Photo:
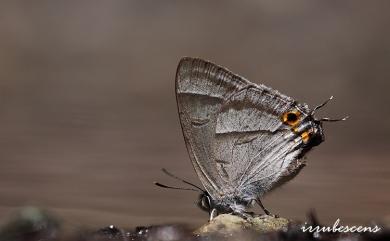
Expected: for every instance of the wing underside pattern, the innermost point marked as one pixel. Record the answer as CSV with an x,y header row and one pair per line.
x,y
232,128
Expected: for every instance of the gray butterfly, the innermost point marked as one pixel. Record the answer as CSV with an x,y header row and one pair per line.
x,y
243,139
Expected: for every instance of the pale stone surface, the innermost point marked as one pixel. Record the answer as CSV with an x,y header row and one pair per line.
x,y
227,224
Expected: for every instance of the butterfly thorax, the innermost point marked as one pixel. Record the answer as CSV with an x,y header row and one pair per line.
x,y
232,203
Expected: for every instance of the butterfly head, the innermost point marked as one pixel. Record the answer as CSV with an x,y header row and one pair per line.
x,y
205,201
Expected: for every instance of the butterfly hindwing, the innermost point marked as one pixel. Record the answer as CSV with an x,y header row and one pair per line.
x,y
250,137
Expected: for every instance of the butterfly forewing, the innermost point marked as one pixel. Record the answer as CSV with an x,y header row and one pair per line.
x,y
232,129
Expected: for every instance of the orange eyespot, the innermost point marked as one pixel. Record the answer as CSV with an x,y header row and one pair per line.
x,y
291,118
305,136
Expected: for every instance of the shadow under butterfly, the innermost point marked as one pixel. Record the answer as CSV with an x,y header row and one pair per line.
x,y
243,139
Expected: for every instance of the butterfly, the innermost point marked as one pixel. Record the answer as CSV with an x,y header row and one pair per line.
x,y
243,139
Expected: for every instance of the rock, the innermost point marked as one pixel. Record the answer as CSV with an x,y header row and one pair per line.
x,y
31,224
167,232
227,225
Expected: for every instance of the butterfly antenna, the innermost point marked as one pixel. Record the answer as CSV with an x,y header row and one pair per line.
x,y
321,105
177,188
180,179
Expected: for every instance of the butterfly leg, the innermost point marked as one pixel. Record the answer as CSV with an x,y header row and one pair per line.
x,y
258,201
213,214
244,215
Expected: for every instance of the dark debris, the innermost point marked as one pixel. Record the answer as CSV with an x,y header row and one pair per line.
x,y
31,224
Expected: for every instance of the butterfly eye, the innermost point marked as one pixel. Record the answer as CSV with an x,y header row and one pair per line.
x,y
291,118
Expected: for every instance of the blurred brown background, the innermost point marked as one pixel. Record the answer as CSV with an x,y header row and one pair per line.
x,y
88,113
